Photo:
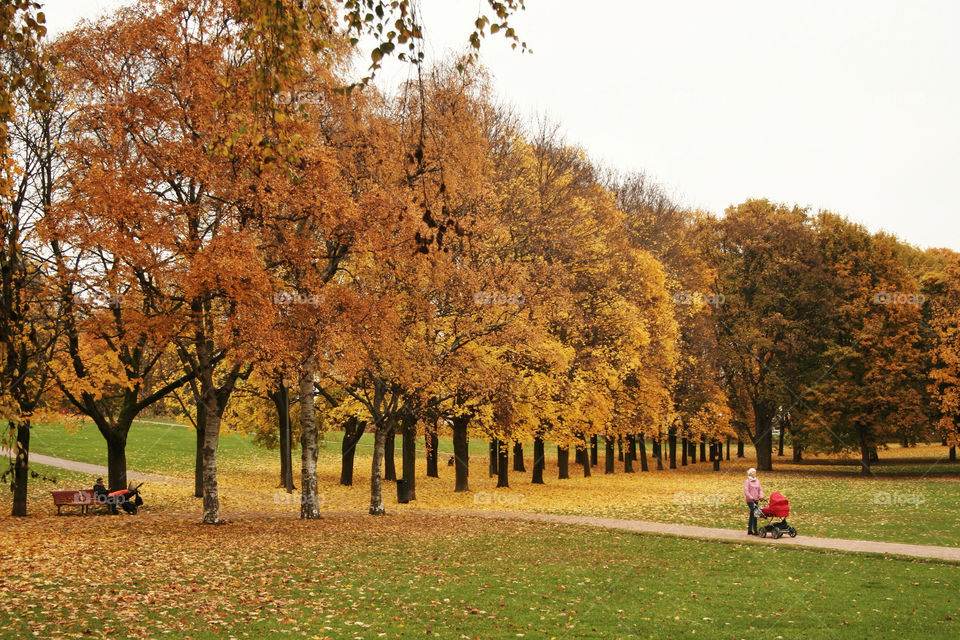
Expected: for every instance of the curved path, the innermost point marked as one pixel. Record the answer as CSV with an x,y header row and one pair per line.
x,y
950,554
94,469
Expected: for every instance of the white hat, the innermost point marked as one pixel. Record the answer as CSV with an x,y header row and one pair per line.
x,y
751,472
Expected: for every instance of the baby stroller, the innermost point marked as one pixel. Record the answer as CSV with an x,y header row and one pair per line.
x,y
127,499
778,507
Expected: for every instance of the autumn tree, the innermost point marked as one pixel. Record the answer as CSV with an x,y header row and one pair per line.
x,y
763,256
873,356
28,330
943,290
185,153
116,326
673,235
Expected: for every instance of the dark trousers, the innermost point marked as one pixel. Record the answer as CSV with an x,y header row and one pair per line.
x,y
752,522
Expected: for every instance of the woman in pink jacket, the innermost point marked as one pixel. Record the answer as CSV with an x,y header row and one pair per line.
x,y
753,492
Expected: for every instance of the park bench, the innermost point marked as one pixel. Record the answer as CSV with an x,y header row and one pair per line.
x,y
82,498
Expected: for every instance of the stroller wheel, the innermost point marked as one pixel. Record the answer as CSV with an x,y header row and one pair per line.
x,y
763,532
792,532
776,533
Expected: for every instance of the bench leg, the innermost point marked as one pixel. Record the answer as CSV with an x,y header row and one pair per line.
x,y
58,509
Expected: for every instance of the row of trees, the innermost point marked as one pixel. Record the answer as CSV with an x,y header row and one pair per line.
x,y
204,218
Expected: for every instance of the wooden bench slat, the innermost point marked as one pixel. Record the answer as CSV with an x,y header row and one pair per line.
x,y
82,498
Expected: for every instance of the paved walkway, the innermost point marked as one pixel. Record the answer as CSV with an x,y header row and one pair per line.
x,y
95,469
688,531
951,554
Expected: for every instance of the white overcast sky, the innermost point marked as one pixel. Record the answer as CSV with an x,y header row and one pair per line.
x,y
847,105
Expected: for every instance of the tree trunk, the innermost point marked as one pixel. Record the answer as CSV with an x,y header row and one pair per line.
x,y
728,448
703,451
763,441
620,447
685,450
627,458
563,463
672,443
780,445
408,428
578,455
593,450
585,458
310,498
376,481
717,454
864,453
21,467
503,464
116,461
201,434
797,453
211,437
461,453
642,441
658,453
281,401
740,453
214,400
431,443
610,454
286,445
389,455
353,430
538,461
494,455
953,453
518,458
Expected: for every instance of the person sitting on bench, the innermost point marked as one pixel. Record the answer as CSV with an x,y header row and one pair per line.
x,y
100,492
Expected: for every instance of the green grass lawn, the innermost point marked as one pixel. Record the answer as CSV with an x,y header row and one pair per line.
x,y
416,576
150,447
170,449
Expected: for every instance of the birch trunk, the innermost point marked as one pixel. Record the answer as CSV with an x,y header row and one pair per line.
x,y
376,478
310,499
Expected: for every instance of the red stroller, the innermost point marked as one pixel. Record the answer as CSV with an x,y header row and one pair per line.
x,y
127,499
778,507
